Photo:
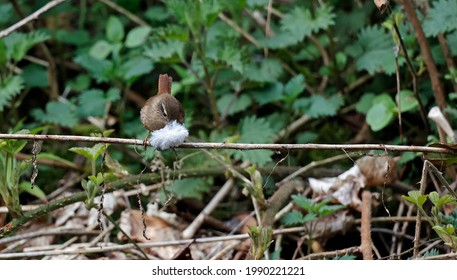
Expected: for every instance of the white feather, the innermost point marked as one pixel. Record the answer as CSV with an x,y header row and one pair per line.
x,y
172,135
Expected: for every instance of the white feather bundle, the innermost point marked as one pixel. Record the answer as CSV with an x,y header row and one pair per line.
x,y
172,135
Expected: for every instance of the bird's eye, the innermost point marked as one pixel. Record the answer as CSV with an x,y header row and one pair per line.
x,y
164,109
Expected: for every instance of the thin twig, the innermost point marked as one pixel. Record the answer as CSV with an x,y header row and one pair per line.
x,y
198,221
234,146
109,248
235,26
423,185
365,230
31,17
333,254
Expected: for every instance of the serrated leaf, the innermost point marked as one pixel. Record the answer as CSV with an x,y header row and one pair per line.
x,y
98,69
294,87
91,153
114,30
268,93
189,188
303,202
100,50
269,70
255,130
18,44
233,104
164,50
408,101
10,87
373,51
329,209
292,218
57,113
301,23
136,67
416,197
91,103
320,106
35,76
137,36
441,17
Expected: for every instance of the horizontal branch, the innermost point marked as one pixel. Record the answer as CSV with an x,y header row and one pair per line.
x,y
234,146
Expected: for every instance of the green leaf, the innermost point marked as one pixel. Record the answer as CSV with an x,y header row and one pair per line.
x,y
408,101
35,76
365,103
98,69
373,51
80,83
301,23
76,37
440,18
434,197
329,209
91,153
114,30
6,13
18,44
189,188
294,87
10,87
320,106
416,197
100,50
292,218
56,158
165,50
303,202
136,67
268,93
233,104
255,130
57,113
445,199
269,70
93,102
137,36
35,191
256,3
379,117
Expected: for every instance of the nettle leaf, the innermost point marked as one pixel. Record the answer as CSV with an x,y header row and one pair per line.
x,y
301,23
408,101
76,37
441,17
18,44
114,30
137,36
58,113
269,93
91,153
269,70
320,106
189,188
373,51
303,202
292,218
255,130
416,197
136,67
294,87
164,50
10,86
101,49
234,104
98,69
93,102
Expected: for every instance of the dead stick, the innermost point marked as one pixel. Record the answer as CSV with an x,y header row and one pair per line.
x,y
367,251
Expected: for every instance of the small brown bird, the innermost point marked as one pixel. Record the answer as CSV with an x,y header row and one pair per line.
x,y
162,108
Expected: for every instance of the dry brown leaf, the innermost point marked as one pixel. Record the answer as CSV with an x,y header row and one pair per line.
x,y
378,170
156,230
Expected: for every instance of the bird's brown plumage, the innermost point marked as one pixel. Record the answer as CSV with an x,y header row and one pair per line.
x,y
161,108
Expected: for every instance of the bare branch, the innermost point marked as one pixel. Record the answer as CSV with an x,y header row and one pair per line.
x,y
235,146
